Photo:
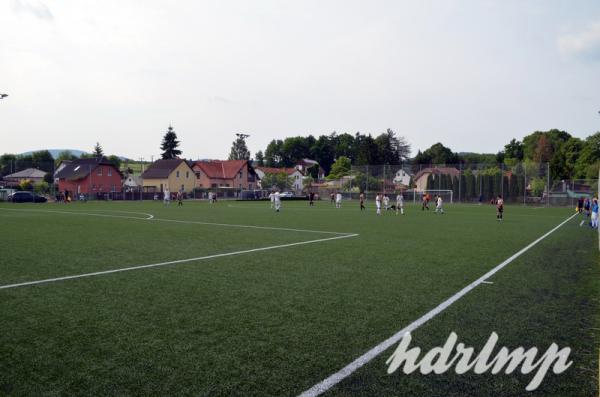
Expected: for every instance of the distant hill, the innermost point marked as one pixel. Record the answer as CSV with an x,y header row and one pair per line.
x,y
56,152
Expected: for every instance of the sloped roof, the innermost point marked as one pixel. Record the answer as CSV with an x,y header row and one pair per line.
x,y
161,169
274,170
221,169
81,168
28,173
438,171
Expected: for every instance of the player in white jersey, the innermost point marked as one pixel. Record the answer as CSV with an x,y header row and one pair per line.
x,y
378,204
386,202
338,200
439,206
272,199
167,197
400,204
277,201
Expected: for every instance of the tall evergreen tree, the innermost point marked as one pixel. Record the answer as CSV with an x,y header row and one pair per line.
x,y
98,152
169,145
239,150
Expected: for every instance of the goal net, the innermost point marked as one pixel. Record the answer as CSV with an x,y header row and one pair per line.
x,y
417,196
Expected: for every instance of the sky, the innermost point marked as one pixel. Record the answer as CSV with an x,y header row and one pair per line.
x,y
469,74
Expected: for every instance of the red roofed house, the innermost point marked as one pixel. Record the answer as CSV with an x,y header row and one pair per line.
x,y
235,174
296,177
420,179
89,176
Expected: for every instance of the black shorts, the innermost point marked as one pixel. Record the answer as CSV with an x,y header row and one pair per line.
x,y
501,209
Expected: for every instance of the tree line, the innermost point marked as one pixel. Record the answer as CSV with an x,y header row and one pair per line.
x,y
568,156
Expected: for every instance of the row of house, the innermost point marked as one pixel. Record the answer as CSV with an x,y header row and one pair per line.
x,y
97,176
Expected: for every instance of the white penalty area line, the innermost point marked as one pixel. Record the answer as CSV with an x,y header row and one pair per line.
x,y
343,373
150,217
199,258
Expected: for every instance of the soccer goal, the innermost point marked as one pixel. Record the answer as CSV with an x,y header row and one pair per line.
x,y
447,195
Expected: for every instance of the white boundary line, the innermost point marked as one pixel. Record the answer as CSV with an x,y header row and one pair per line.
x,y
199,258
148,216
151,217
343,373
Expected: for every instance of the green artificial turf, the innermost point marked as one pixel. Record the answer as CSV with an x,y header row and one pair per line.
x,y
275,322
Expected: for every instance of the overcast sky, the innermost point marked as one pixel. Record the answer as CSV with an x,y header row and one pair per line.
x,y
471,74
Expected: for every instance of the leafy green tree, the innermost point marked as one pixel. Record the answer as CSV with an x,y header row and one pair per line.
x,y
514,150
260,158
274,153
323,152
279,181
169,145
7,164
366,183
589,155
341,167
367,151
392,148
49,178
537,186
115,160
436,154
41,187
239,150
66,155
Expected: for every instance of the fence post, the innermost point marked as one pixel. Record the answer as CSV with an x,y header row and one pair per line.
x,y
524,183
367,187
502,180
548,190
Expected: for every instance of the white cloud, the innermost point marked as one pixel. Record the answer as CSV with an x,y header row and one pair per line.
x,y
33,7
584,44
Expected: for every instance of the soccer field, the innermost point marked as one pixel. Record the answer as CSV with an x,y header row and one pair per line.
x,y
130,298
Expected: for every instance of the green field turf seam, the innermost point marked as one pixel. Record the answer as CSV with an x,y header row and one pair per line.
x,y
175,262
346,371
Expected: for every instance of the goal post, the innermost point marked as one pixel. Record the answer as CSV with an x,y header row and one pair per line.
x,y
446,194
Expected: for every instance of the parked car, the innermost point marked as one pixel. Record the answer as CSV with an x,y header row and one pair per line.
x,y
286,194
26,197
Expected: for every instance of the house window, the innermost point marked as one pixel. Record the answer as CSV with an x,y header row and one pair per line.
x,y
182,188
177,174
114,189
109,172
250,186
187,174
99,171
93,187
241,173
214,185
100,187
198,174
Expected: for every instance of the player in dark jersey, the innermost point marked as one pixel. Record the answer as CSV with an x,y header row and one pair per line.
x,y
499,208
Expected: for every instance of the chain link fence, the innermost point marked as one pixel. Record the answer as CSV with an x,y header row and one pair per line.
x,y
525,182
